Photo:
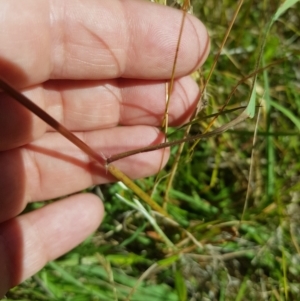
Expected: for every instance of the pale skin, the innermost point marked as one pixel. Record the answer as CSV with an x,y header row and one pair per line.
x,y
92,65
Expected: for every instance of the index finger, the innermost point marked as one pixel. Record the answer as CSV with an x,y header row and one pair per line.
x,y
96,39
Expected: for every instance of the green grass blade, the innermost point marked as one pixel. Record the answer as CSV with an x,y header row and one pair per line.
x,y
287,113
250,110
283,8
180,286
270,140
65,275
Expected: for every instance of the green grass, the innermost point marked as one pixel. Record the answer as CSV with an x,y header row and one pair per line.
x,y
210,254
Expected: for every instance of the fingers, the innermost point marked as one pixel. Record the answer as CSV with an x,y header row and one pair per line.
x,y
98,40
52,166
29,241
92,105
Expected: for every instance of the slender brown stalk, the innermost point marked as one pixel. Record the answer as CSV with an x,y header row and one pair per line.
x,y
239,5
180,149
169,86
220,130
27,103
217,131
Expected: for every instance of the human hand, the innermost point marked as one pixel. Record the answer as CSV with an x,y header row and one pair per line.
x,y
92,65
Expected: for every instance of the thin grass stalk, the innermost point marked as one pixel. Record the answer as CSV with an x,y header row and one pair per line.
x,y
100,158
187,131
